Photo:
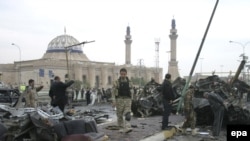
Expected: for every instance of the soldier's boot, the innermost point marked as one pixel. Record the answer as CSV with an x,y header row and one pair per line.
x,y
120,126
194,132
126,125
122,129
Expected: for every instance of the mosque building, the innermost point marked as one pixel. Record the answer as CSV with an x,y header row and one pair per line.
x,y
56,61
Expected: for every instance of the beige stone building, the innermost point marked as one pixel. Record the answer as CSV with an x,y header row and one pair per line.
x,y
54,63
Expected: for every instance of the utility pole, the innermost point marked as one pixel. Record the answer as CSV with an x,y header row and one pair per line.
x,y
20,73
244,57
196,58
66,52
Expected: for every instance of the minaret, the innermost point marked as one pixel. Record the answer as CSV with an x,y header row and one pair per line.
x,y
172,64
128,42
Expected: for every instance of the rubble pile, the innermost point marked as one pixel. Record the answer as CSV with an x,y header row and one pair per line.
x,y
235,95
147,101
45,123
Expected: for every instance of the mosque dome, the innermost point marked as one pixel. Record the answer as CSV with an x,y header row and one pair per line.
x,y
56,49
59,43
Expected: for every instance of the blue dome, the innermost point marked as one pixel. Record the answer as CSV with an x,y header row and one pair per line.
x,y
59,43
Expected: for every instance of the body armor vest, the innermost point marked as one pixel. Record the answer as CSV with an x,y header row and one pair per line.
x,y
124,90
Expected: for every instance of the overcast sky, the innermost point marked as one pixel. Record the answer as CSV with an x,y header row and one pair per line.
x,y
32,24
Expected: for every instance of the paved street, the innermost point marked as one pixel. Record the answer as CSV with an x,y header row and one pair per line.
x,y
145,129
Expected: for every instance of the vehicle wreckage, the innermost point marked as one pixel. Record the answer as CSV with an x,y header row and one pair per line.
x,y
236,93
48,123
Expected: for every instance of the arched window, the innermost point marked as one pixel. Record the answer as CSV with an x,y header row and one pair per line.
x,y
97,81
66,76
109,80
84,79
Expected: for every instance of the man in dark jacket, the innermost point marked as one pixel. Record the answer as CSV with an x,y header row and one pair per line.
x,y
51,95
168,97
88,94
58,93
217,106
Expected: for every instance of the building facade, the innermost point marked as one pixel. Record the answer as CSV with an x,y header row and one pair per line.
x,y
57,61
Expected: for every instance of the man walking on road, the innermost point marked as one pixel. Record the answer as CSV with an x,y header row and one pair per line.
x,y
121,98
168,97
58,92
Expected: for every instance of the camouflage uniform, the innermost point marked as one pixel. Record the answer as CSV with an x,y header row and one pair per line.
x,y
31,96
188,110
123,104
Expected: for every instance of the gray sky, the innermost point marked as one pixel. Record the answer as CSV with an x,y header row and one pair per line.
x,y
32,24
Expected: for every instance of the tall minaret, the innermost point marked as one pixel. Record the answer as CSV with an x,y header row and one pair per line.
x,y
128,42
172,64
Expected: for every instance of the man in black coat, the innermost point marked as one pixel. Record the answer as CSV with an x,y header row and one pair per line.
x,y
168,97
51,95
88,93
58,93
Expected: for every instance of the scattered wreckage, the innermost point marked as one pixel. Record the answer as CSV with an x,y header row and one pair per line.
x,y
148,100
236,93
46,122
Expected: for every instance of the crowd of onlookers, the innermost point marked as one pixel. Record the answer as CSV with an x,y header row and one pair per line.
x,y
91,95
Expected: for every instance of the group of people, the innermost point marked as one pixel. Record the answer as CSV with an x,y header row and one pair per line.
x,y
216,102
57,93
123,91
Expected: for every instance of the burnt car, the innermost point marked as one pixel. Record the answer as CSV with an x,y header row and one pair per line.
x,y
9,96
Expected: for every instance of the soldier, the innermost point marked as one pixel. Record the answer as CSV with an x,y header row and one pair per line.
x,y
189,112
121,98
31,95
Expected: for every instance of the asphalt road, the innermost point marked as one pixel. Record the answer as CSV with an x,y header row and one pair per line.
x,y
145,129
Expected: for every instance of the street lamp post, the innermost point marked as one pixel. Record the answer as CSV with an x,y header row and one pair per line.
x,y
19,76
243,54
